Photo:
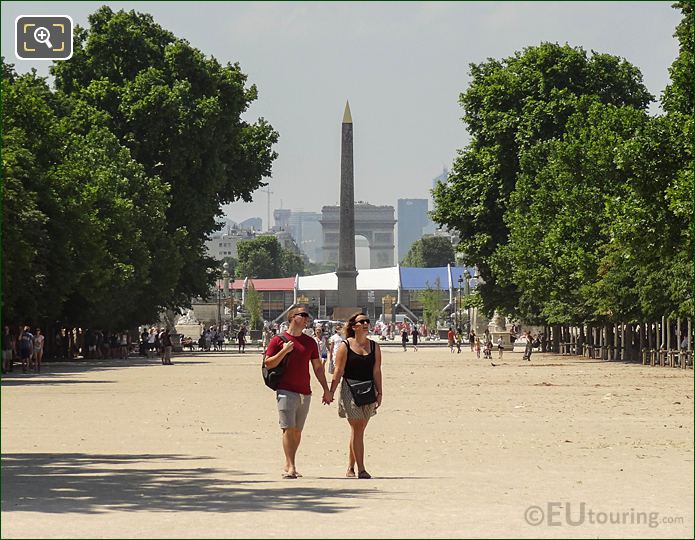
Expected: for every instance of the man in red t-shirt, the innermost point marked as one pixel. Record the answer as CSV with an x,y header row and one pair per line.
x,y
294,390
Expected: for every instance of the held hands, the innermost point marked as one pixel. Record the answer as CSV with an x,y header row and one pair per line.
x,y
327,397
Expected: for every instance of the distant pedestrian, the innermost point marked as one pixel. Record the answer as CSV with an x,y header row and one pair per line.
x,y
529,346
100,343
167,347
477,348
451,339
151,345
333,344
90,342
124,345
267,335
8,348
404,338
415,333
321,343
113,345
26,347
500,347
38,349
459,340
219,336
241,338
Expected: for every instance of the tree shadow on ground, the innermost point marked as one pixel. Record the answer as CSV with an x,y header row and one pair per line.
x,y
95,483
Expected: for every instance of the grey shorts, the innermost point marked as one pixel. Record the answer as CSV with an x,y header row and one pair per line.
x,y
293,409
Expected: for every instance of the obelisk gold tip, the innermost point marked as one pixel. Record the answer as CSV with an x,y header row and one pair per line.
x,y
347,117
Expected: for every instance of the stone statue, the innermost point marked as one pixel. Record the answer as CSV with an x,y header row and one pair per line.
x,y
188,318
498,323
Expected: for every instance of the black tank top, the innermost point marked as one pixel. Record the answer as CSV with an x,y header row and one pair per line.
x,y
360,367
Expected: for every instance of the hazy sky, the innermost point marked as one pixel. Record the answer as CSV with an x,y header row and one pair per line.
x,y
401,65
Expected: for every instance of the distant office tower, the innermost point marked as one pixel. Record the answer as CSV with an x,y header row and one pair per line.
x,y
305,229
282,218
412,222
431,226
254,223
441,178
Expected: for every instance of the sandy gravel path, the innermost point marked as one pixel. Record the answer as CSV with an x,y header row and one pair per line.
x,y
459,448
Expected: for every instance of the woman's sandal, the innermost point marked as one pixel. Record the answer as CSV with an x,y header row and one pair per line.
x,y
364,474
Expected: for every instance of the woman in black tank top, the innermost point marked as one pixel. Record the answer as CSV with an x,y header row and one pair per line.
x,y
358,358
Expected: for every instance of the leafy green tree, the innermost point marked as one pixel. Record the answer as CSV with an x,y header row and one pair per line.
x,y
645,269
651,237
432,300
178,112
512,108
560,215
678,95
28,149
429,252
312,269
264,257
254,307
291,263
83,221
259,258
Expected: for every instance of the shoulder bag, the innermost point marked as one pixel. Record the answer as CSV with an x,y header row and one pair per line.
x,y
272,376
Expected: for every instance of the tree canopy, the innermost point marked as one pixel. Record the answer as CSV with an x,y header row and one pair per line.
x,y
113,181
264,257
573,202
179,114
430,252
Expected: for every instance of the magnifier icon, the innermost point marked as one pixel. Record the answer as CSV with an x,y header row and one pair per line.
x,y
42,35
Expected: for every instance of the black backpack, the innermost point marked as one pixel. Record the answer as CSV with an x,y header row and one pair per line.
x,y
272,376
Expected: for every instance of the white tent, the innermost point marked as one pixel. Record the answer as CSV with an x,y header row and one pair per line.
x,y
376,279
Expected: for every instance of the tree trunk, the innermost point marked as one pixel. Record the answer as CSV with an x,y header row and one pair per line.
x,y
556,338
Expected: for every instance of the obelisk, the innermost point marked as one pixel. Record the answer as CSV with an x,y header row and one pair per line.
x,y
346,272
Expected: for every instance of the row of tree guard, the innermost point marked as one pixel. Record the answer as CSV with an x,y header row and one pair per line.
x,y
663,343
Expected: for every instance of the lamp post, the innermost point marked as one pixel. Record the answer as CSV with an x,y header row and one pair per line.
x,y
467,276
225,283
219,303
458,306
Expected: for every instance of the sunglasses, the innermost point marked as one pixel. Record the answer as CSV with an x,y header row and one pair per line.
x,y
362,321
302,314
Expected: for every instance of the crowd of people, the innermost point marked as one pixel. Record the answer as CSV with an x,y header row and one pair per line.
x,y
27,345
24,345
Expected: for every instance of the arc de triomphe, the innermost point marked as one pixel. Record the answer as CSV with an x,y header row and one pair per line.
x,y
375,223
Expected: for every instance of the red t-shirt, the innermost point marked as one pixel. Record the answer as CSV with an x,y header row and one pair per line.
x,y
295,378
450,336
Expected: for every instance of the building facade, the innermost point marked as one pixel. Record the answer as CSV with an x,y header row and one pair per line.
x,y
412,223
